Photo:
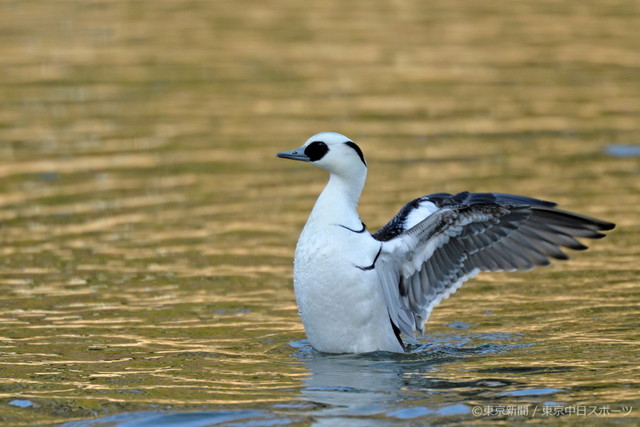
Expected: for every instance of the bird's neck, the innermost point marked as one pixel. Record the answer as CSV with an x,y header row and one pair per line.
x,y
338,201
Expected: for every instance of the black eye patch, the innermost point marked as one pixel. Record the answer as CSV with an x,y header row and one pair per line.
x,y
316,150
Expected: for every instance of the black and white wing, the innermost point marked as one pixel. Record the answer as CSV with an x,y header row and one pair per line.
x,y
437,242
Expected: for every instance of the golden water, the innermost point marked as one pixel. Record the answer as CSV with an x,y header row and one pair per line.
x,y
147,230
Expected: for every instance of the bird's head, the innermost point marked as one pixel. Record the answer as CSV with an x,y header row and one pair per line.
x,y
331,151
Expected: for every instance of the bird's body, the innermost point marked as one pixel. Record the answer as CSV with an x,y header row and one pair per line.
x,y
338,302
357,291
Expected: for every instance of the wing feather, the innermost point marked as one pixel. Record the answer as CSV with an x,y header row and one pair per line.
x,y
425,261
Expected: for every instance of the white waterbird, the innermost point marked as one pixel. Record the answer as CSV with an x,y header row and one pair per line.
x,y
358,292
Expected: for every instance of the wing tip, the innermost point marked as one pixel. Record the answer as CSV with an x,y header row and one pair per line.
x,y
606,226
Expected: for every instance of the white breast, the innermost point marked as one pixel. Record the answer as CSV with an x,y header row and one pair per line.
x,y
341,305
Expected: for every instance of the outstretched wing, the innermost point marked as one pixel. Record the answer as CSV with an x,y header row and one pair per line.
x,y
437,242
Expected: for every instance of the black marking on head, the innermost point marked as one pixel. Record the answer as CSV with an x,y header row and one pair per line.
x,y
316,150
364,227
357,150
373,264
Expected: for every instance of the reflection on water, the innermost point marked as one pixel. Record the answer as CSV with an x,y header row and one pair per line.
x,y
384,389
147,230
378,385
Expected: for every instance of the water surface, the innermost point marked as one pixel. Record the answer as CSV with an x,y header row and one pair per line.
x,y
148,230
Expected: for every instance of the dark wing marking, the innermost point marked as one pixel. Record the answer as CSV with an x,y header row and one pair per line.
x,y
397,333
470,233
398,223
